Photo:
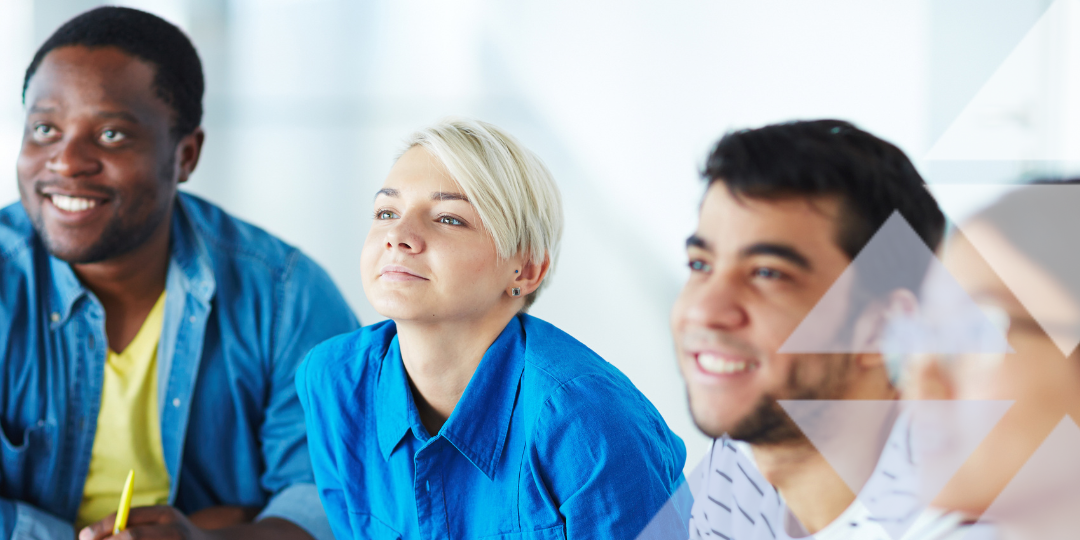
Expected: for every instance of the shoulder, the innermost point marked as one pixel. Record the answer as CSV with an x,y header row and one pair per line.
x,y
227,237
570,371
16,232
347,359
584,396
559,357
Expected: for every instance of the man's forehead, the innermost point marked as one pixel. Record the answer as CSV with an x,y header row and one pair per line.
x,y
98,73
732,222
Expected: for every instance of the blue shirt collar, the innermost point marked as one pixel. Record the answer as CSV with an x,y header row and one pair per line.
x,y
480,421
190,262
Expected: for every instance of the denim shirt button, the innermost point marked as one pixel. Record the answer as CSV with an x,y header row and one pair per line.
x,y
55,317
191,319
176,402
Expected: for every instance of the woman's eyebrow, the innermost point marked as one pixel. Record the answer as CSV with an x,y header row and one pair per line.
x,y
386,191
448,196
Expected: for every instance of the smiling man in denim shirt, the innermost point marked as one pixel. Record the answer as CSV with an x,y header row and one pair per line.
x,y
142,328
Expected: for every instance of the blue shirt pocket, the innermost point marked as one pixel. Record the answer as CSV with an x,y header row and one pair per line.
x,y
23,469
369,527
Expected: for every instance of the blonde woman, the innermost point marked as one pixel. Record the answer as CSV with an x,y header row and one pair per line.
x,y
462,416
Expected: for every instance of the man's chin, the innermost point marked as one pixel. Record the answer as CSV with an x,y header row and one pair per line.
x,y
73,251
709,422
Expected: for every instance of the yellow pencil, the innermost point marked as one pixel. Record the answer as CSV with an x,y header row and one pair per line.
x,y
125,504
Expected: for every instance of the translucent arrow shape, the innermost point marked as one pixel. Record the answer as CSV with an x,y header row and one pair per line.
x,y
1043,499
1029,109
895,466
849,434
846,318
1028,238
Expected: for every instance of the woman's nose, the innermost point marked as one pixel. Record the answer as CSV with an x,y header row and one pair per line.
x,y
403,235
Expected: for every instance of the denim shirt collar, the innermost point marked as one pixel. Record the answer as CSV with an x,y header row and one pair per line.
x,y
190,261
189,264
480,421
66,291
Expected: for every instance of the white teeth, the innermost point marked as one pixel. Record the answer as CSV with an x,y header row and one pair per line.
x,y
716,364
72,204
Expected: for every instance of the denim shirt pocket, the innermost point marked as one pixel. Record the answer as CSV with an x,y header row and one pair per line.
x,y
25,462
370,527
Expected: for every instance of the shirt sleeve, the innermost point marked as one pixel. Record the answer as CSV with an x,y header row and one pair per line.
x,y
21,521
312,310
610,462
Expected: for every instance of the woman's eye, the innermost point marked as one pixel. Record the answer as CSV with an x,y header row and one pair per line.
x,y
112,136
450,220
699,266
44,131
768,273
385,214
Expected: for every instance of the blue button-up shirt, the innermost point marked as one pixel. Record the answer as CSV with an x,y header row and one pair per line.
x,y
242,309
548,441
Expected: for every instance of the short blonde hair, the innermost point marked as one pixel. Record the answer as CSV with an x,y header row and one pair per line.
x,y
511,189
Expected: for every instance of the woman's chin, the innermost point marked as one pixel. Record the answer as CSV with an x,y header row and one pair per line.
x,y
399,311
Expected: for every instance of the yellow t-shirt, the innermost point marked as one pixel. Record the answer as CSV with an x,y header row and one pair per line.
x,y
128,433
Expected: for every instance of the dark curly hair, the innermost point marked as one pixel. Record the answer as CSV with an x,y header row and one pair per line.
x,y
179,78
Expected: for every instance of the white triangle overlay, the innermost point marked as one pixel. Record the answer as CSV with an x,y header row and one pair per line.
x,y
1029,109
1031,285
1041,501
924,448
947,320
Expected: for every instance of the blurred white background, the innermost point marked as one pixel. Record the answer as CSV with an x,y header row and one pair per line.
x,y
308,101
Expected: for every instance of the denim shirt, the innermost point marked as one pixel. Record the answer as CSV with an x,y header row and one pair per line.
x,y
548,441
242,309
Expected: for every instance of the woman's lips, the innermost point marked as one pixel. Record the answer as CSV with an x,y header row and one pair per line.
x,y
393,272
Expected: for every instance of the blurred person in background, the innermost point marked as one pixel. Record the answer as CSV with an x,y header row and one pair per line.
x,y
787,209
462,416
140,327
1017,259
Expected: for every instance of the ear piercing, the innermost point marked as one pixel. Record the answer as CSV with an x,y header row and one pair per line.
x,y
515,291
515,271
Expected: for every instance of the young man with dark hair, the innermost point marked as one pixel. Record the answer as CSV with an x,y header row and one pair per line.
x,y
788,208
140,327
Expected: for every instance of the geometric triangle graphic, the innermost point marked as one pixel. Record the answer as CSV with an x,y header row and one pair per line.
x,y
1028,109
1028,238
929,444
895,455
944,434
872,307
969,55
1043,500
849,434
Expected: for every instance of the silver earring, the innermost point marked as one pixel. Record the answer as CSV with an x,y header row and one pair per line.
x,y
515,292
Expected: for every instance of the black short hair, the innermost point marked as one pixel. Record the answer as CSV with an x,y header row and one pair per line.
x,y
872,177
179,78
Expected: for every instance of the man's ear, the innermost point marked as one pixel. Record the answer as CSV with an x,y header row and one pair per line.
x,y
871,326
188,150
531,275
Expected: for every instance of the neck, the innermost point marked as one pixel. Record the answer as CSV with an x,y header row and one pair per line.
x,y
441,357
812,488
813,491
129,285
